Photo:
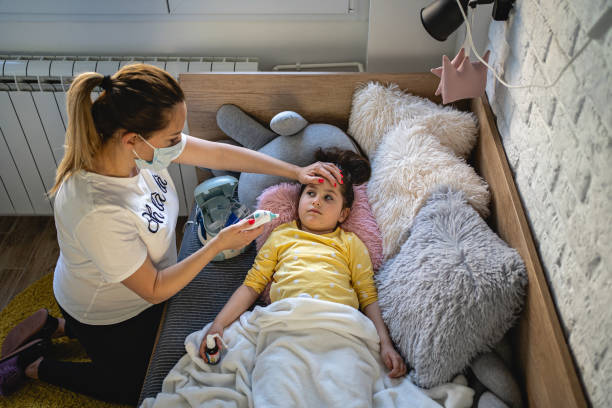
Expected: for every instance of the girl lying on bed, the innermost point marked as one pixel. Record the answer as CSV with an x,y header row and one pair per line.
x,y
313,257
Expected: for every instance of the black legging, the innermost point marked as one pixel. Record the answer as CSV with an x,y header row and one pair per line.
x,y
119,357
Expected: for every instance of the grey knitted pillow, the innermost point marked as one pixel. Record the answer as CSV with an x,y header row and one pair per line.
x,y
452,291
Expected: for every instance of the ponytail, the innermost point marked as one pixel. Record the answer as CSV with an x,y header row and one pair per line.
x,y
82,139
138,98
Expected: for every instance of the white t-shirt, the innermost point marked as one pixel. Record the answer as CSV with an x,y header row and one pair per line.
x,y
106,226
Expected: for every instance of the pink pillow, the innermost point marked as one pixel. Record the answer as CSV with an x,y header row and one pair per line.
x,y
283,199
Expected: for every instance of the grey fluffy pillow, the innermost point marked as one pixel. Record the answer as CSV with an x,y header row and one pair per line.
x,y
452,291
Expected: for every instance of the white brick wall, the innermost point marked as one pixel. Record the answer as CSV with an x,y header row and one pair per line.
x,y
559,145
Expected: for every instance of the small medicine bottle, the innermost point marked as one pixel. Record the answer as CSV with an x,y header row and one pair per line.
x,y
212,351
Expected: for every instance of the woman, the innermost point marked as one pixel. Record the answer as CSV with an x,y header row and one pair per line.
x,y
115,214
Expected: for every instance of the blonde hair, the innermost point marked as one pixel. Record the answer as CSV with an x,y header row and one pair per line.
x,y
137,98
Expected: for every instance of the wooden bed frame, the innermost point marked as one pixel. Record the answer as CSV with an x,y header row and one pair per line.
x,y
544,366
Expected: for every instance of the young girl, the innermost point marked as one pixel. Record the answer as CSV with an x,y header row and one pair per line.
x,y
313,257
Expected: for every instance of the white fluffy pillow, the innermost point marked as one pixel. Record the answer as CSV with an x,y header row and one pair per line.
x,y
408,165
377,109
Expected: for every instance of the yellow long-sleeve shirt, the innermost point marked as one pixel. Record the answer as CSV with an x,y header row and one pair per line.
x,y
334,267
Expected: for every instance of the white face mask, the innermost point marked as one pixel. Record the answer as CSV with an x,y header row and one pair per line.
x,y
162,156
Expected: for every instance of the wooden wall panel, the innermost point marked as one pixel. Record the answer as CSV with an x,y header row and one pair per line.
x,y
36,137
6,207
60,98
51,119
22,155
19,199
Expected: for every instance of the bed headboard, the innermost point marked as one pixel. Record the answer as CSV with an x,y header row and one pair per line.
x,y
318,97
543,363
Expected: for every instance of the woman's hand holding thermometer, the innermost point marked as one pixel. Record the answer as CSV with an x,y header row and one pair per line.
x,y
258,218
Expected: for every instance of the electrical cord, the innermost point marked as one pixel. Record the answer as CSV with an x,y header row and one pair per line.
x,y
600,27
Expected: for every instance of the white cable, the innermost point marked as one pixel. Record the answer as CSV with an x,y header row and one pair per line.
x,y
465,36
469,36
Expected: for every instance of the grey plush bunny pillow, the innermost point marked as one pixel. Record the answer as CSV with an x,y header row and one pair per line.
x,y
452,291
293,140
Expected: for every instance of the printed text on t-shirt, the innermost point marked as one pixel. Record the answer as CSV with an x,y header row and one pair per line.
x,y
155,218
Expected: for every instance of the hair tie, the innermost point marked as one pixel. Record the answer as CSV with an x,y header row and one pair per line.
x,y
107,83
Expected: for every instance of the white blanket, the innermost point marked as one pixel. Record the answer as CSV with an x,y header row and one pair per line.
x,y
300,353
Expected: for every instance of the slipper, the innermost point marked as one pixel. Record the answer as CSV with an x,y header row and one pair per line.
x,y
39,325
12,367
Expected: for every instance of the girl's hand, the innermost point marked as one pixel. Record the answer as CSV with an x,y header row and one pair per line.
x,y
235,236
392,360
312,174
214,329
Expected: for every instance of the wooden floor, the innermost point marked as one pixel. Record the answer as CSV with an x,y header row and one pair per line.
x,y
29,250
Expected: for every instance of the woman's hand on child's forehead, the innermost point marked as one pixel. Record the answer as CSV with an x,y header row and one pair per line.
x,y
317,172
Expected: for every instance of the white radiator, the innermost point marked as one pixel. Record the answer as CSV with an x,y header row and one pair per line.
x,y
33,121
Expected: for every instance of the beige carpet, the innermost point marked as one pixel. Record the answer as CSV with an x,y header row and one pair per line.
x,y
37,393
